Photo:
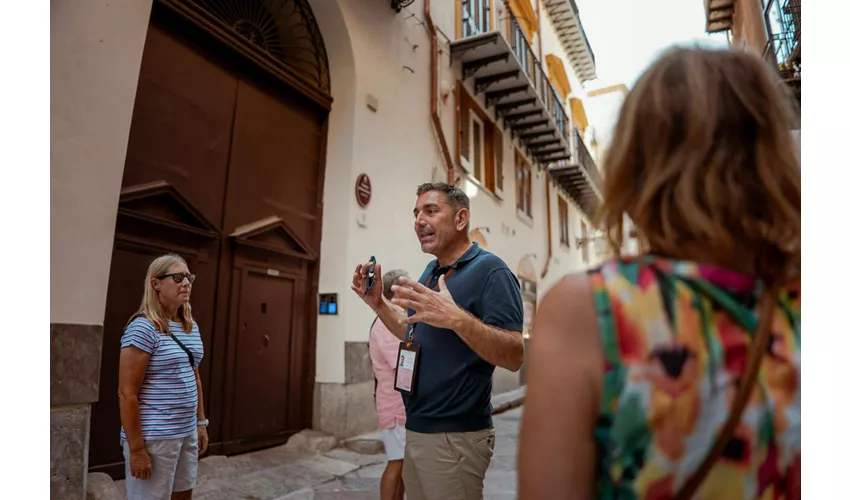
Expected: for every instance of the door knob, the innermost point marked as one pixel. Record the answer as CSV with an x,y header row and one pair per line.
x,y
266,339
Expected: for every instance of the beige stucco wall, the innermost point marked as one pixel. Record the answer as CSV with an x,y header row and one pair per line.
x,y
96,51
396,146
748,30
95,55
338,192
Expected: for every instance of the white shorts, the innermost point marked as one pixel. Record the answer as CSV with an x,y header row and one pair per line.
x,y
394,442
174,467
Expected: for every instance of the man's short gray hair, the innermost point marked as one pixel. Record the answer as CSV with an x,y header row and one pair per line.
x,y
454,196
390,279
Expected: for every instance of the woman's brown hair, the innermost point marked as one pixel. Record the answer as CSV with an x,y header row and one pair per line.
x,y
702,162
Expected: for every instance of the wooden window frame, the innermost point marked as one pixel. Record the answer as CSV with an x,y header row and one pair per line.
x,y
564,221
459,18
491,174
585,242
524,189
526,16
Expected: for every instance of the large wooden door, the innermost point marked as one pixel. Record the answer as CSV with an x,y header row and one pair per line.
x,y
224,167
277,143
264,334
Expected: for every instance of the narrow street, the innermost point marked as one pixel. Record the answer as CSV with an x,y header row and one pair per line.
x,y
295,472
363,483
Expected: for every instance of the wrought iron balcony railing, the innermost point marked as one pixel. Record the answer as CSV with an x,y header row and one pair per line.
x,y
496,52
568,175
496,55
783,46
582,157
568,28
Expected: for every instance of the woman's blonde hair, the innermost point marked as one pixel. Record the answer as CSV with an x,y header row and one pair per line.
x,y
151,306
702,161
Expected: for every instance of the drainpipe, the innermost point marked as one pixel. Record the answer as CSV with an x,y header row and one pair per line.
x,y
545,270
435,116
539,35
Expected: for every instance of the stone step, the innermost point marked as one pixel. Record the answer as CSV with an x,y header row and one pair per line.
x,y
100,486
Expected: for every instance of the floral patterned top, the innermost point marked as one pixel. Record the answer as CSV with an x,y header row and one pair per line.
x,y
675,337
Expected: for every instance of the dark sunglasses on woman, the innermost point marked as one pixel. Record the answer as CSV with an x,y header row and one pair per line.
x,y
178,277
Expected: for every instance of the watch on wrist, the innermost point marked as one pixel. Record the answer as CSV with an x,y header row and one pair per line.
x,y
205,423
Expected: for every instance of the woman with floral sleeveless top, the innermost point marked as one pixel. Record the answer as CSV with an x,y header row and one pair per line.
x,y
676,373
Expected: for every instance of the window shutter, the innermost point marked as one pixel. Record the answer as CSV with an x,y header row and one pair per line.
x,y
518,183
463,127
497,158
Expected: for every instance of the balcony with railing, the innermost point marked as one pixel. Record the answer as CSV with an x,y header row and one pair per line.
x,y
496,55
783,18
718,15
568,175
568,27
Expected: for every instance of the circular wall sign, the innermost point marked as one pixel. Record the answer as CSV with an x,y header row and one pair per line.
x,y
363,190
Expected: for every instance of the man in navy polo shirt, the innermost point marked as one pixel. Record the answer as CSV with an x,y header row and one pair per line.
x,y
467,309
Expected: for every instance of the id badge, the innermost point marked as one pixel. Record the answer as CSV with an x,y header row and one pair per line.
x,y
406,367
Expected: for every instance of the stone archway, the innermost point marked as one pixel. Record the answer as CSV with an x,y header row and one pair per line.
x,y
249,229
477,236
527,276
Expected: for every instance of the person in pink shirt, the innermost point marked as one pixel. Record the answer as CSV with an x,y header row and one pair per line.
x,y
383,349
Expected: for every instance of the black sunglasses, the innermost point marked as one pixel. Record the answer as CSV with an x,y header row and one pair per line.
x,y
178,277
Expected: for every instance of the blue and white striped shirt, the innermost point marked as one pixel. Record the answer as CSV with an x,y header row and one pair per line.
x,y
168,398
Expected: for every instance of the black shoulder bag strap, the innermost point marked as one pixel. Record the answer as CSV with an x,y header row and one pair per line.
x,y
187,351
375,390
176,340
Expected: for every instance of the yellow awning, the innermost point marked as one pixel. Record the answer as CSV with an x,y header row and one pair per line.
x,y
579,116
524,13
558,76
607,90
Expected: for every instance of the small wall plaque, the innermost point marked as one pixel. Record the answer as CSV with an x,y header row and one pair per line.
x,y
363,190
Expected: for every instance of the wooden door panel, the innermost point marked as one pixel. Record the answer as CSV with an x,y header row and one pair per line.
x,y
274,161
263,339
210,141
124,296
127,274
182,122
180,136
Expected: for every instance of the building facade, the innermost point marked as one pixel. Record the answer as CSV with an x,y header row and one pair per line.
x,y
770,29
276,144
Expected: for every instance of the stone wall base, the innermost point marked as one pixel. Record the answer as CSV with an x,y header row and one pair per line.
x,y
345,410
69,451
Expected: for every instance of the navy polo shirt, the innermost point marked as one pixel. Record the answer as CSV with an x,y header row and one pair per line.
x,y
454,384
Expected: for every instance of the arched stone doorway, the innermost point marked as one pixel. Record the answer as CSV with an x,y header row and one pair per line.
x,y
477,236
527,276
225,166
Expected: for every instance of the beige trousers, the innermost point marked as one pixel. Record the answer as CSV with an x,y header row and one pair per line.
x,y
447,466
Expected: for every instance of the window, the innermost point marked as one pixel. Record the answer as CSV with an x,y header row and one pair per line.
x,y
498,177
585,244
564,221
477,154
523,185
475,17
480,144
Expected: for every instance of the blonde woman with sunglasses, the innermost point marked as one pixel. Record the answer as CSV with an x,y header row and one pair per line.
x,y
160,395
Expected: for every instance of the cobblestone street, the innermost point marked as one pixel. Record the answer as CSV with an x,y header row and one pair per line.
x,y
306,469
363,483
